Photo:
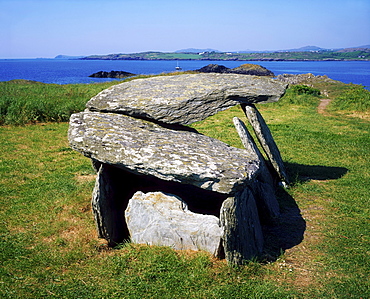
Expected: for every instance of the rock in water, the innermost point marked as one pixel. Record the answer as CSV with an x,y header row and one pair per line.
x,y
156,218
145,148
184,99
244,69
214,68
252,69
112,74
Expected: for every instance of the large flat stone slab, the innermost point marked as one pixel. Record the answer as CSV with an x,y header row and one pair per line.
x,y
156,218
184,99
143,147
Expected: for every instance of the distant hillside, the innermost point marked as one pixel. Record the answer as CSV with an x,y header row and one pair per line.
x,y
304,49
67,57
363,48
192,50
308,49
308,53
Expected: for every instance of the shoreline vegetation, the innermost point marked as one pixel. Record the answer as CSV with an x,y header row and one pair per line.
x,y
49,247
25,101
355,54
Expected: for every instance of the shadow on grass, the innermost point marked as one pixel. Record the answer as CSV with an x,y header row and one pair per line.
x,y
303,173
285,232
288,231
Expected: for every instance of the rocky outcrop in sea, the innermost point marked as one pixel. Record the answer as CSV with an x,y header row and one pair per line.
x,y
111,74
244,69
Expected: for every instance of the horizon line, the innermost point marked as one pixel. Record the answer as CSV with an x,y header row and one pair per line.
x,y
192,48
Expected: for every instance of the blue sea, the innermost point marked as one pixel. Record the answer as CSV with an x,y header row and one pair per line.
x,y
62,71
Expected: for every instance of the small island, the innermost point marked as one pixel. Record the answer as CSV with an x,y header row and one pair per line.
x,y
244,69
112,74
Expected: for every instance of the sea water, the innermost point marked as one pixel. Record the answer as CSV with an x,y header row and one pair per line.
x,y
62,71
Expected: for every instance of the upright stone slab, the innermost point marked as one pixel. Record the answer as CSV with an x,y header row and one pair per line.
x,y
156,218
242,233
109,206
266,140
143,147
184,99
263,185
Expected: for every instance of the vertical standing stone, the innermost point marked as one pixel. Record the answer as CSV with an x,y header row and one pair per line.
x,y
266,140
263,185
242,233
108,206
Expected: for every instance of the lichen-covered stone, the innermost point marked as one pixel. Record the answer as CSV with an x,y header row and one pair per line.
x,y
266,140
146,148
263,186
156,218
184,99
242,232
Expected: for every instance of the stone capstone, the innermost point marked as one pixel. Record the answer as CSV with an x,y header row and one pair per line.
x,y
184,99
156,218
146,148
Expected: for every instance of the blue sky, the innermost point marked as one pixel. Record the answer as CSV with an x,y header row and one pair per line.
x,y
46,28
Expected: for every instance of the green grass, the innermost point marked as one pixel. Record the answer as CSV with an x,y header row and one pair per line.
x,y
49,247
24,101
355,98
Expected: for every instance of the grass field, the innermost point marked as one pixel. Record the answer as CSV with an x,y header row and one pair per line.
x,y
48,243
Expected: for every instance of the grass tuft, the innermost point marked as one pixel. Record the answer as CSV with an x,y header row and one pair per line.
x,y
356,98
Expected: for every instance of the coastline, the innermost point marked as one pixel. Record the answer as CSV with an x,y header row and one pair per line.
x,y
355,55
211,59
71,71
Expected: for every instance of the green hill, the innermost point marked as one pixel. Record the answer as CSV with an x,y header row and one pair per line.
x,y
317,55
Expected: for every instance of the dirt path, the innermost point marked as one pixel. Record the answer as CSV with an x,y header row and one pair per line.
x,y
322,106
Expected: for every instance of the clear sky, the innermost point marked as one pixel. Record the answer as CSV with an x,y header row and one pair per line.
x,y
46,28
